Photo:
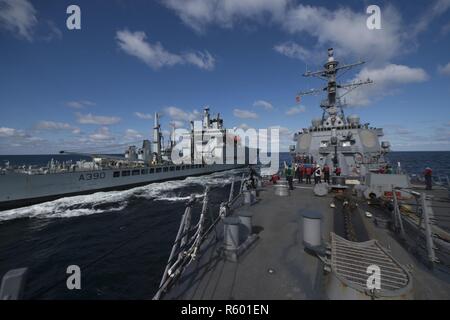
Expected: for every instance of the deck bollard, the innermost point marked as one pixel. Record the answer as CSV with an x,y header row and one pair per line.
x,y
281,190
312,229
231,233
245,218
247,197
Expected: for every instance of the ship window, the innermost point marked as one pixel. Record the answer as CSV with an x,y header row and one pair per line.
x,y
152,170
144,171
165,169
172,168
183,167
125,173
177,168
158,169
136,172
116,174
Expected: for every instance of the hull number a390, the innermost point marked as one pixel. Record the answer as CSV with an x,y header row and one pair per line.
x,y
92,176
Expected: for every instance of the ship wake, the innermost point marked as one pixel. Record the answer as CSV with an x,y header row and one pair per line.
x,y
114,201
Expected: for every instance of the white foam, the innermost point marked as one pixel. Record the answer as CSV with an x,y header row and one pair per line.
x,y
100,202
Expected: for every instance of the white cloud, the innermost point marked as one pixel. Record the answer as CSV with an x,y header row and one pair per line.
x,y
430,14
131,134
177,123
18,16
295,110
385,79
91,119
51,125
346,30
244,114
244,126
145,116
155,56
80,104
181,115
293,50
101,134
263,104
202,60
198,14
445,70
9,132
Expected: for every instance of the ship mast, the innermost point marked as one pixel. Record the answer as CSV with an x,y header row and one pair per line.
x,y
333,114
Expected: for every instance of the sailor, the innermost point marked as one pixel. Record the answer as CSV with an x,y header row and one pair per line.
x,y
337,171
308,172
317,175
326,173
389,169
289,176
428,174
252,177
275,177
301,172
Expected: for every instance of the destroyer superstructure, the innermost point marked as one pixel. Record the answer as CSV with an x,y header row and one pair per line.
x,y
24,185
337,140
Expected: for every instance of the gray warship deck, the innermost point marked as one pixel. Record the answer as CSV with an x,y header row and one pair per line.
x,y
274,267
277,266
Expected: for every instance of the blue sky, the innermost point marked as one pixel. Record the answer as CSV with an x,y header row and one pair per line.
x,y
95,89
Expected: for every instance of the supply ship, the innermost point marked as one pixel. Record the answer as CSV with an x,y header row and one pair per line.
x,y
22,186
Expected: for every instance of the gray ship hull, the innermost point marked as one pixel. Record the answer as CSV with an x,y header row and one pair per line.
x,y
20,189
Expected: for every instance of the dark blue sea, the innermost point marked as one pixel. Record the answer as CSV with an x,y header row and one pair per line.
x,y
121,240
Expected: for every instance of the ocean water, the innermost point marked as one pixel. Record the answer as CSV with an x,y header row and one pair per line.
x,y
121,240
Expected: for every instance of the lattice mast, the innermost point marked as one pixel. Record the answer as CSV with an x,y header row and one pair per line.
x,y
333,114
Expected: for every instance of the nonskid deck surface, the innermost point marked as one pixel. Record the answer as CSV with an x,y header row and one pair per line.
x,y
275,266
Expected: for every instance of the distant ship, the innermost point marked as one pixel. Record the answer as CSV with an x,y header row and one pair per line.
x,y
22,186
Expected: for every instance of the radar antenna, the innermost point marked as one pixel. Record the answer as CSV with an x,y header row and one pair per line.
x,y
333,114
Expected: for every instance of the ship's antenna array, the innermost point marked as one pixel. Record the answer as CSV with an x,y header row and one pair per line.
x,y
332,105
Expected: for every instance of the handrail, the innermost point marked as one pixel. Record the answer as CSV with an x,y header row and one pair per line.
x,y
185,257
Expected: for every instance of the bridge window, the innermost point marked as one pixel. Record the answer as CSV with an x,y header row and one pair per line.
x,y
116,174
125,173
177,168
152,170
158,170
136,172
144,171
165,169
